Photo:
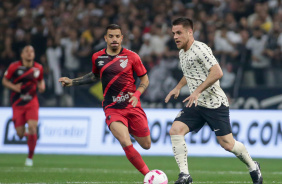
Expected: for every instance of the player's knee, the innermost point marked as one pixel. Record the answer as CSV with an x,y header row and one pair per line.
x,y
124,142
146,145
20,134
175,131
32,130
227,146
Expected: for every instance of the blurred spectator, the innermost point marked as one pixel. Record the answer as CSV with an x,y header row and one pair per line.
x,y
228,79
54,54
84,53
145,49
8,55
70,45
261,17
260,62
273,51
161,80
228,27
225,43
158,40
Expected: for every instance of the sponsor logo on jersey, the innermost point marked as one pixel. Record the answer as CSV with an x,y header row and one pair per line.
x,y
26,97
121,56
36,73
121,98
103,56
123,63
100,63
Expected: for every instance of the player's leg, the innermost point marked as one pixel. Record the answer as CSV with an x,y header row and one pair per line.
x,y
31,140
177,132
218,120
138,127
120,131
144,142
238,149
32,120
20,131
19,121
230,144
187,120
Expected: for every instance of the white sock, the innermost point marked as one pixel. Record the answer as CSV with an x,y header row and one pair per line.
x,y
241,152
180,151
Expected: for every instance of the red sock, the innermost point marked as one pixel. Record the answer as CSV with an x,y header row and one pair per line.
x,y
31,142
135,158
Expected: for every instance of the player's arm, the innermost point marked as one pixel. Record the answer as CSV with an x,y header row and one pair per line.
x,y
214,75
11,86
41,86
176,90
86,79
141,88
143,84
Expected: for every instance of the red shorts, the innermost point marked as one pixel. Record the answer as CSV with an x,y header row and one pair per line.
x,y
134,118
21,114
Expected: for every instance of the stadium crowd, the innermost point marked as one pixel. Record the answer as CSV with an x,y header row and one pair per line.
x,y
245,36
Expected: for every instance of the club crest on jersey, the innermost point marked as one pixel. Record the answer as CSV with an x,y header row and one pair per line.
x,y
123,63
20,72
36,73
100,63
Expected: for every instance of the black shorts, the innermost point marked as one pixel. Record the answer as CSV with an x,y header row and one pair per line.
x,y
196,117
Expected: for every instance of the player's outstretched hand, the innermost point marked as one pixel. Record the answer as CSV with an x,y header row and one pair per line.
x,y
174,92
133,99
65,81
192,98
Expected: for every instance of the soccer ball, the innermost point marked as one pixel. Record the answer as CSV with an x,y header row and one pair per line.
x,y
155,177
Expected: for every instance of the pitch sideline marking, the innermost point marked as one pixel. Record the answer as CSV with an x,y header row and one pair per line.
x,y
89,170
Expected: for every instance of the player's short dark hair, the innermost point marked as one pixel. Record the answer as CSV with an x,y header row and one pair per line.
x,y
185,22
112,27
22,48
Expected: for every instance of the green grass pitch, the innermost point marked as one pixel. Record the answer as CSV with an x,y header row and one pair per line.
x,y
75,169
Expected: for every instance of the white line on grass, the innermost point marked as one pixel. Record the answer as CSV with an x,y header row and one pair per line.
x,y
106,171
126,182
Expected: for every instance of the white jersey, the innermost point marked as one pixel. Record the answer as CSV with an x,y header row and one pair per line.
x,y
195,64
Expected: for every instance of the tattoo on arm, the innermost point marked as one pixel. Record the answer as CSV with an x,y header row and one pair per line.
x,y
86,79
143,86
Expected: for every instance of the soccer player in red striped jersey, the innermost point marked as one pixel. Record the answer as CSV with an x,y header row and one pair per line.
x,y
24,77
115,65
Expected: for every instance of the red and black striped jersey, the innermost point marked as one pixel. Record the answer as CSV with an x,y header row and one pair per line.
x,y
17,73
116,74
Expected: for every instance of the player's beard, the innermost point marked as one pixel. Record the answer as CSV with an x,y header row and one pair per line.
x,y
184,46
115,48
29,60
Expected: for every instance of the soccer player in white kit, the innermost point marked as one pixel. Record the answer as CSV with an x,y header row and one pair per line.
x,y
206,104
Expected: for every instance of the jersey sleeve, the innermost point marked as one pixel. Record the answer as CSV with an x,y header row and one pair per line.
x,y
94,68
138,66
10,71
205,54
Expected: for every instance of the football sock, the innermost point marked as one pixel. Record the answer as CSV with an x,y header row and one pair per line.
x,y
135,158
31,142
180,152
241,152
